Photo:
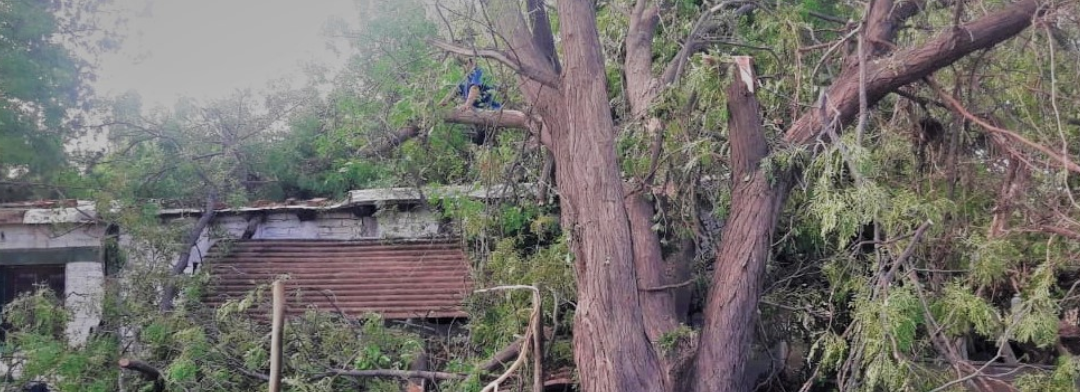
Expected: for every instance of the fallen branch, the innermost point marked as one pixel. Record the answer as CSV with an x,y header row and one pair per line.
x,y
1060,231
169,292
149,372
955,105
504,356
430,375
527,341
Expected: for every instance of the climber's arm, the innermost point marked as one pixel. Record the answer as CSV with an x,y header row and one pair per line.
x,y
474,93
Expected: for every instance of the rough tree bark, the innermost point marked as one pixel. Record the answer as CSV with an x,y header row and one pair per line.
x,y
615,321
741,259
755,206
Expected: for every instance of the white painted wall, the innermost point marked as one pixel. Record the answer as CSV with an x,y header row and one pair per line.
x,y
50,236
83,290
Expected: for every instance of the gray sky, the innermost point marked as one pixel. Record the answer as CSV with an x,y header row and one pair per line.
x,y
209,48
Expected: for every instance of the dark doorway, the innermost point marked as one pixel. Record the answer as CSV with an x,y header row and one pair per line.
x,y
20,279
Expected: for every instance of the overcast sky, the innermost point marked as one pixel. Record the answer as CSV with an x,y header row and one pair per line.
x,y
209,48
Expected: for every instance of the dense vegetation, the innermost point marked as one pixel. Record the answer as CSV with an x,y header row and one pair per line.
x,y
924,238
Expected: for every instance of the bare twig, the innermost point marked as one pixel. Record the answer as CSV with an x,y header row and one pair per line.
x,y
544,76
534,328
1063,161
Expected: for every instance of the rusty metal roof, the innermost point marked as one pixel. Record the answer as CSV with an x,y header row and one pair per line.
x,y
402,279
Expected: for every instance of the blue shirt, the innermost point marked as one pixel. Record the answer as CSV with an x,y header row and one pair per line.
x,y
485,100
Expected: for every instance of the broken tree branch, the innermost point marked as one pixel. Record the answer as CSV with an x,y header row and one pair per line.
x,y
405,374
169,291
528,341
149,372
905,67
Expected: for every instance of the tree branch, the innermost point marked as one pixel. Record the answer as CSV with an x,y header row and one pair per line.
x,y
543,38
529,342
392,141
1062,160
1060,231
695,43
405,374
887,74
883,22
169,291
149,372
500,118
637,66
504,356
539,74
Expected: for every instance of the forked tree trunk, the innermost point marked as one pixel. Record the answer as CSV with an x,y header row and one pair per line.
x,y
755,205
614,320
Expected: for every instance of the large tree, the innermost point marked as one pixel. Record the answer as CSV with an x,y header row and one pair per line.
x,y
43,82
622,306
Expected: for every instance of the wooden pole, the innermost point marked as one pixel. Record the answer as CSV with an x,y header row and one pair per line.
x,y
278,289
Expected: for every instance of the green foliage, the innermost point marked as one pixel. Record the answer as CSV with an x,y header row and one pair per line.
x,y
959,311
1036,316
40,342
41,80
671,340
1062,379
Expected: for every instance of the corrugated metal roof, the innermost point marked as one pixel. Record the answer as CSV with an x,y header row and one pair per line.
x,y
402,279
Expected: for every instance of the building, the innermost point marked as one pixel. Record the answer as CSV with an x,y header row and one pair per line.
x,y
380,250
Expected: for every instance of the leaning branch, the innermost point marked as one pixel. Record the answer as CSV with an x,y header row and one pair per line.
x,y
902,68
169,292
539,74
149,372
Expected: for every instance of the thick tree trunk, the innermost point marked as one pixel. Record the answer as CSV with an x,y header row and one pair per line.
x,y
755,204
614,320
657,294
612,350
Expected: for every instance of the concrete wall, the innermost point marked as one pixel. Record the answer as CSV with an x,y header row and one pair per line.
x,y
84,287
21,236
83,277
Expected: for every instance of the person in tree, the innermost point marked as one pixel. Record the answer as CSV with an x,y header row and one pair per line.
x,y
475,89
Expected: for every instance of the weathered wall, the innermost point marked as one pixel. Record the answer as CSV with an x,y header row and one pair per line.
x,y
83,275
67,228
84,286
388,223
49,236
